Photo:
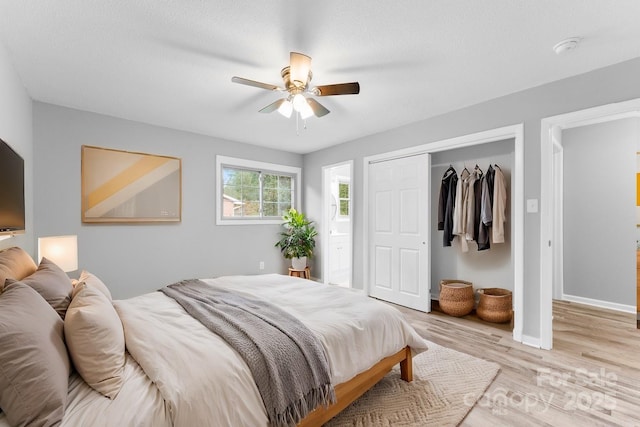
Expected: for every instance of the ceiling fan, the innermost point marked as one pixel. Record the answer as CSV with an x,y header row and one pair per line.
x,y
297,76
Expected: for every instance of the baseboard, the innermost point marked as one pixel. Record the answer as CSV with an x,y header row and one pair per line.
x,y
599,303
531,341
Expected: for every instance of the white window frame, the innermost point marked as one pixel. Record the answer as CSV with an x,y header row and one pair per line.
x,y
235,162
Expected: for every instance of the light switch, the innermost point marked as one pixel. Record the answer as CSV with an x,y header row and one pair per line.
x,y
532,205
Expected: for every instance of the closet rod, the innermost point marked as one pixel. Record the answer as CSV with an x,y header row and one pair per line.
x,y
386,159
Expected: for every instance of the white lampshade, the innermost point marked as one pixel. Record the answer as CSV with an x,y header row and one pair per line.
x,y
61,250
298,101
305,110
286,108
299,67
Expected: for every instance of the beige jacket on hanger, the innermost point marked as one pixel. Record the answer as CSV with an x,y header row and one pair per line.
x,y
499,206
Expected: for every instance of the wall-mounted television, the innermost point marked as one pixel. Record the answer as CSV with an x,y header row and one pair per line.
x,y
11,190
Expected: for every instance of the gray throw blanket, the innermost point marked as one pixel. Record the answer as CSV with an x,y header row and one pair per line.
x,y
287,361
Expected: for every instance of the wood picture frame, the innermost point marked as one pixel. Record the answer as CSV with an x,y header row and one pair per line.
x,y
129,187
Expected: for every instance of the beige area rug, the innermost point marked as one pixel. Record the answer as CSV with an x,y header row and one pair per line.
x,y
446,385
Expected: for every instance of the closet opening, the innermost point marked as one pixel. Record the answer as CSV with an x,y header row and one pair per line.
x,y
473,255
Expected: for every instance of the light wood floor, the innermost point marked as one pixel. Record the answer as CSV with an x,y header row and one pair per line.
x,y
590,378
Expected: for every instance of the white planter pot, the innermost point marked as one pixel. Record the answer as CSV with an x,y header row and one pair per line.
x,y
299,263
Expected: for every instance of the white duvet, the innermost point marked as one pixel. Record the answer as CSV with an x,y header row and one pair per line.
x,y
193,378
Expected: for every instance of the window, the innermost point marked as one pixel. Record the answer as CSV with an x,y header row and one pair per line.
x,y
344,198
251,192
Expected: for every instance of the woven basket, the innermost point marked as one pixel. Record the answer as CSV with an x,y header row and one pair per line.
x,y
456,297
495,305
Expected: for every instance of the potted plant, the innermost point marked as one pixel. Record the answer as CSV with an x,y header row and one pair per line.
x,y
297,241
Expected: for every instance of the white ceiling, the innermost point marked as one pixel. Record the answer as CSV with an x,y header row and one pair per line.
x,y
170,63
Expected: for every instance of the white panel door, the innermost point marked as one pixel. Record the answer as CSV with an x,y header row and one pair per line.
x,y
399,231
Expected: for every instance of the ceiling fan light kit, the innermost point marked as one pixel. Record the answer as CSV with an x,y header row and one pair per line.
x,y
296,77
285,108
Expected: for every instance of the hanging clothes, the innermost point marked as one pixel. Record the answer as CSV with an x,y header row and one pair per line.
x,y
486,209
474,196
446,203
499,206
460,209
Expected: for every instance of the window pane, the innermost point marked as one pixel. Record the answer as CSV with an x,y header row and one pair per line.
x,y
344,207
271,209
284,196
230,176
233,191
343,190
250,194
270,195
250,178
270,181
251,208
284,182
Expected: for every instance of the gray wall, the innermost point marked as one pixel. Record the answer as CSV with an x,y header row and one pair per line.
x,y
599,210
16,130
603,86
492,268
133,259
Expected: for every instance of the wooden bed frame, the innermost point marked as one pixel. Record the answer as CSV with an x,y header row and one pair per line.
x,y
349,391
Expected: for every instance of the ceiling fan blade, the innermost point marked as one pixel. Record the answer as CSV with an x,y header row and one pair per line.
x,y
299,68
254,83
273,106
318,109
338,89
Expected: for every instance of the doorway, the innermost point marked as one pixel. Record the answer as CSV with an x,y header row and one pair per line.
x,y
338,224
551,234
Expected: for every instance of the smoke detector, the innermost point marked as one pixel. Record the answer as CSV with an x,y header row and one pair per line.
x,y
566,44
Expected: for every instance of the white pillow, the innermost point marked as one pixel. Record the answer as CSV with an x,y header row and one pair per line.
x,y
95,340
93,281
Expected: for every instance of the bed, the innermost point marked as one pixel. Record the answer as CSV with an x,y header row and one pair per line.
x,y
175,371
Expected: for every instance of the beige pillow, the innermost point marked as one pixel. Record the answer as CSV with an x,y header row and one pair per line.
x,y
93,282
95,340
15,263
53,284
34,366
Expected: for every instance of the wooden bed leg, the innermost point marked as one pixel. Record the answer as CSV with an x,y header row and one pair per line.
x,y
406,367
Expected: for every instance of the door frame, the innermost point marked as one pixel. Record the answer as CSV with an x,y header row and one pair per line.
x,y
326,220
550,136
517,249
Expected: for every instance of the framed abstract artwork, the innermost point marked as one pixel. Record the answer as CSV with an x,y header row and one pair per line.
x,y
124,186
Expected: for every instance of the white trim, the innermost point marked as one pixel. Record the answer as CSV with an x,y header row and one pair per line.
x,y
531,341
513,131
600,303
252,164
548,129
558,213
326,187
